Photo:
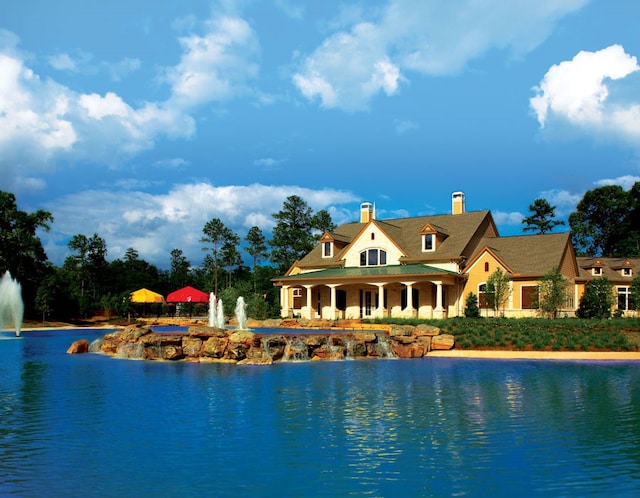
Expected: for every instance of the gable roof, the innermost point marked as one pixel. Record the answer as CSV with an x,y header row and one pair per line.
x,y
526,255
405,233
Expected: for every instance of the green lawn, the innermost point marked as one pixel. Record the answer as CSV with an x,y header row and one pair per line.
x,y
538,334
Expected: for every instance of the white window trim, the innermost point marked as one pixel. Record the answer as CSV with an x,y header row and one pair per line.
x,y
367,257
330,250
424,242
596,272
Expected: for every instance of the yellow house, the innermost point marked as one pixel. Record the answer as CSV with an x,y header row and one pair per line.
x,y
424,267
619,271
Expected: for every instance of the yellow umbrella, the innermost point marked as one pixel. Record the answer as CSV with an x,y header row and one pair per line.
x,y
146,296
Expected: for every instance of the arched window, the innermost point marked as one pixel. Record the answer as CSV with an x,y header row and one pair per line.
x,y
373,257
484,298
486,266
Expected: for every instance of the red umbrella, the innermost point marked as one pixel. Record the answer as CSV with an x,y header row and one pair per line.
x,y
188,294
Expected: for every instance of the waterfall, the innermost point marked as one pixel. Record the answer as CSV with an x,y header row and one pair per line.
x,y
295,350
11,304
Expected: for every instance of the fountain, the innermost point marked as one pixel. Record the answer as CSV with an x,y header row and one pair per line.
x,y
11,305
212,309
220,315
241,313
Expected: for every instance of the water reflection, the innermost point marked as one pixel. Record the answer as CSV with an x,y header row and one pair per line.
x,y
432,427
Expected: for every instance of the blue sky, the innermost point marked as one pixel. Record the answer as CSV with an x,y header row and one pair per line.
x,y
142,120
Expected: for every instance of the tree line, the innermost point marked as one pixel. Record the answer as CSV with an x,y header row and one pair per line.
x,y
605,223
87,282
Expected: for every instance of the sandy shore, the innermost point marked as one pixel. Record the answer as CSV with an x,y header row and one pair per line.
x,y
537,355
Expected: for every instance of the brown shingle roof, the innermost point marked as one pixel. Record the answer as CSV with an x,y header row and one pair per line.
x,y
461,229
610,268
528,254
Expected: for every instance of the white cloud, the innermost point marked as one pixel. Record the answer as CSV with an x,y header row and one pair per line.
x,y
502,218
626,181
43,122
348,70
62,62
564,201
217,65
579,92
432,37
156,224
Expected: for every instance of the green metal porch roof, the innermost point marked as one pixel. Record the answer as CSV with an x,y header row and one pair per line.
x,y
368,271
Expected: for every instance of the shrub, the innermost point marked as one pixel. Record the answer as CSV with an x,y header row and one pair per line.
x,y
471,309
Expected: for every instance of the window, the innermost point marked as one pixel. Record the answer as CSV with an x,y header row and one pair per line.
x,y
297,298
373,257
429,243
486,267
373,236
623,298
529,297
484,298
626,272
596,271
327,249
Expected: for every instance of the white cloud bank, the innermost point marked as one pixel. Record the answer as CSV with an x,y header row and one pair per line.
x,y
43,122
432,37
156,224
579,92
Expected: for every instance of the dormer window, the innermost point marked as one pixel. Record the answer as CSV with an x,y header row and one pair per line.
x,y
432,237
327,249
627,272
373,257
596,271
429,242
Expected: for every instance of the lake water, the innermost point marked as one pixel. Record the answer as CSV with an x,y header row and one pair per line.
x,y
89,425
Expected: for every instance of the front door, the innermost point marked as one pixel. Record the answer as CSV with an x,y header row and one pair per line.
x,y
366,304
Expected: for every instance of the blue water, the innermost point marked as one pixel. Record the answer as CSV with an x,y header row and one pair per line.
x,y
89,425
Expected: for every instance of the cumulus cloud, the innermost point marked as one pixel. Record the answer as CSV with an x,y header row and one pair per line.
x,y
156,224
216,65
507,219
43,122
434,37
579,92
564,200
626,181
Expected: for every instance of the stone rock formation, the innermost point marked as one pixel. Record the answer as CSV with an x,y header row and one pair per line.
x,y
252,347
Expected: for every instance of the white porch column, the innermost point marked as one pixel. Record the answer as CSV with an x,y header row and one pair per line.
x,y
332,312
410,311
284,301
380,309
307,312
438,311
